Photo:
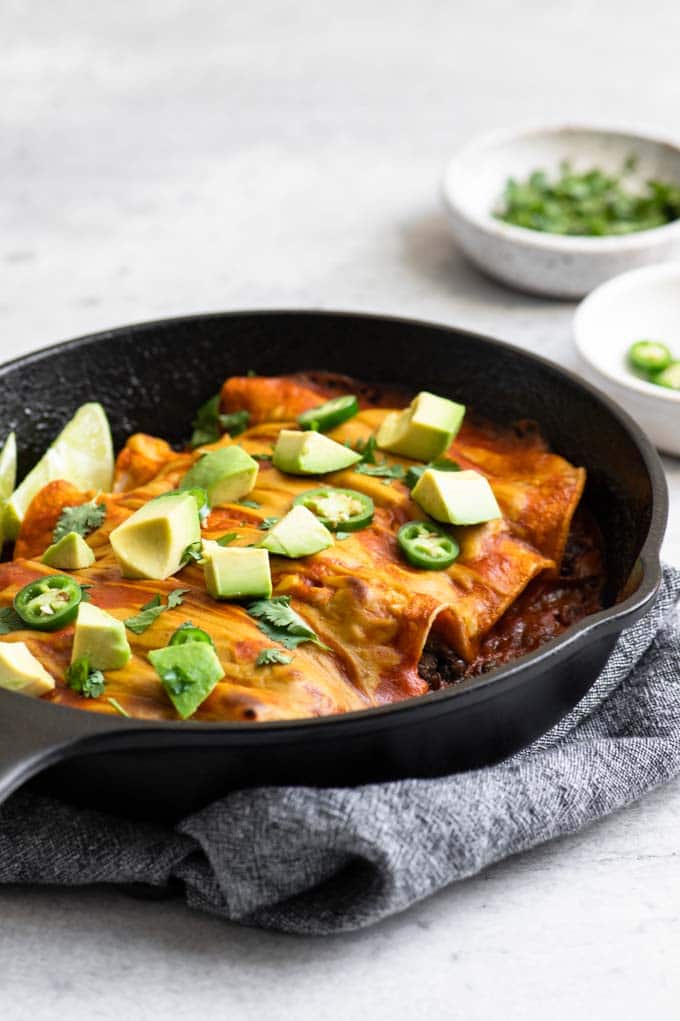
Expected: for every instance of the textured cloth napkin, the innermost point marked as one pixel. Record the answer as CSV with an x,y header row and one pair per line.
x,y
321,861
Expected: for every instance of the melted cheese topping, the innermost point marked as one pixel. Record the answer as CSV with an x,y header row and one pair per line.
x,y
371,608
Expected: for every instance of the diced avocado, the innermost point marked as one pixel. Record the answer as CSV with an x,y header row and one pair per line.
x,y
424,430
236,572
226,475
310,453
459,498
20,671
71,553
298,534
188,674
152,542
101,638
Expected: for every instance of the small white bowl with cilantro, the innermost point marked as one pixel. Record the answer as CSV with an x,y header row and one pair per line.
x,y
559,209
627,333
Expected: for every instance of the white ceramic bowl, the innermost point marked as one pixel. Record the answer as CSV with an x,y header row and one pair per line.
x,y
641,305
565,267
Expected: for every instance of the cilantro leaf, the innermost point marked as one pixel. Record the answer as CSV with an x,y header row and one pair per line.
x,y
10,621
249,503
381,470
205,424
82,520
88,683
209,424
278,621
445,464
342,535
225,539
152,610
234,423
267,523
268,657
193,554
367,449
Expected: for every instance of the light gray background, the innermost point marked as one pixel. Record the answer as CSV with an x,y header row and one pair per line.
x,y
169,157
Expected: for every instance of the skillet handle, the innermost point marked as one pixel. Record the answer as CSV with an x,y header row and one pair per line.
x,y
31,740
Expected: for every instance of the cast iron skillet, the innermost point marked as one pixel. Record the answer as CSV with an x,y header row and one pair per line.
x,y
151,377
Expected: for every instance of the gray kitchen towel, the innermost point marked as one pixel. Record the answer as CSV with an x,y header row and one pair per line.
x,y
322,861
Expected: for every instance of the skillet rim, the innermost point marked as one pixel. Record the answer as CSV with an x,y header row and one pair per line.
x,y
496,682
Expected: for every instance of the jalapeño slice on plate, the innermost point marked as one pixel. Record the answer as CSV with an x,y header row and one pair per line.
x,y
649,356
345,510
49,603
187,632
427,546
670,377
330,414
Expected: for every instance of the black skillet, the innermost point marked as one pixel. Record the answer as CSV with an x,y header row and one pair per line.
x,y
151,377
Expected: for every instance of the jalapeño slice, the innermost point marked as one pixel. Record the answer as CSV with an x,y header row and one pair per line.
x,y
649,356
670,377
343,510
330,414
427,546
187,632
49,603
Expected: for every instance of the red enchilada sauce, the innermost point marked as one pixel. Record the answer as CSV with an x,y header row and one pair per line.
x,y
546,608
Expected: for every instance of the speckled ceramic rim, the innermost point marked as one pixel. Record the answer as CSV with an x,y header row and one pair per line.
x,y
508,677
582,341
638,241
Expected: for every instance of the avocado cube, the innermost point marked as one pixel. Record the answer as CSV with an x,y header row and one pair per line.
x,y
152,542
310,453
101,638
298,534
236,572
21,672
422,431
188,674
71,553
227,475
458,498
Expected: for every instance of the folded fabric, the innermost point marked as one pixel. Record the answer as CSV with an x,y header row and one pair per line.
x,y
312,861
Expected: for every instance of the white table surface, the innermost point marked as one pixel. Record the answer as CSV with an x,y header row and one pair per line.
x,y
170,157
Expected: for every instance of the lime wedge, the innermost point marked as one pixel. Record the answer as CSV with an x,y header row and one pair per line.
x,y
8,467
8,476
82,454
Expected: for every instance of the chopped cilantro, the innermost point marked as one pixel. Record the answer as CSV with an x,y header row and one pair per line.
x,y
82,520
445,464
278,621
205,425
152,610
367,450
590,203
249,503
268,523
209,424
342,535
193,554
381,470
88,683
268,657
234,423
10,621
225,539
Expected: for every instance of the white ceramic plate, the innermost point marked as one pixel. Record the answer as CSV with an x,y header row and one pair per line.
x,y
566,267
641,305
